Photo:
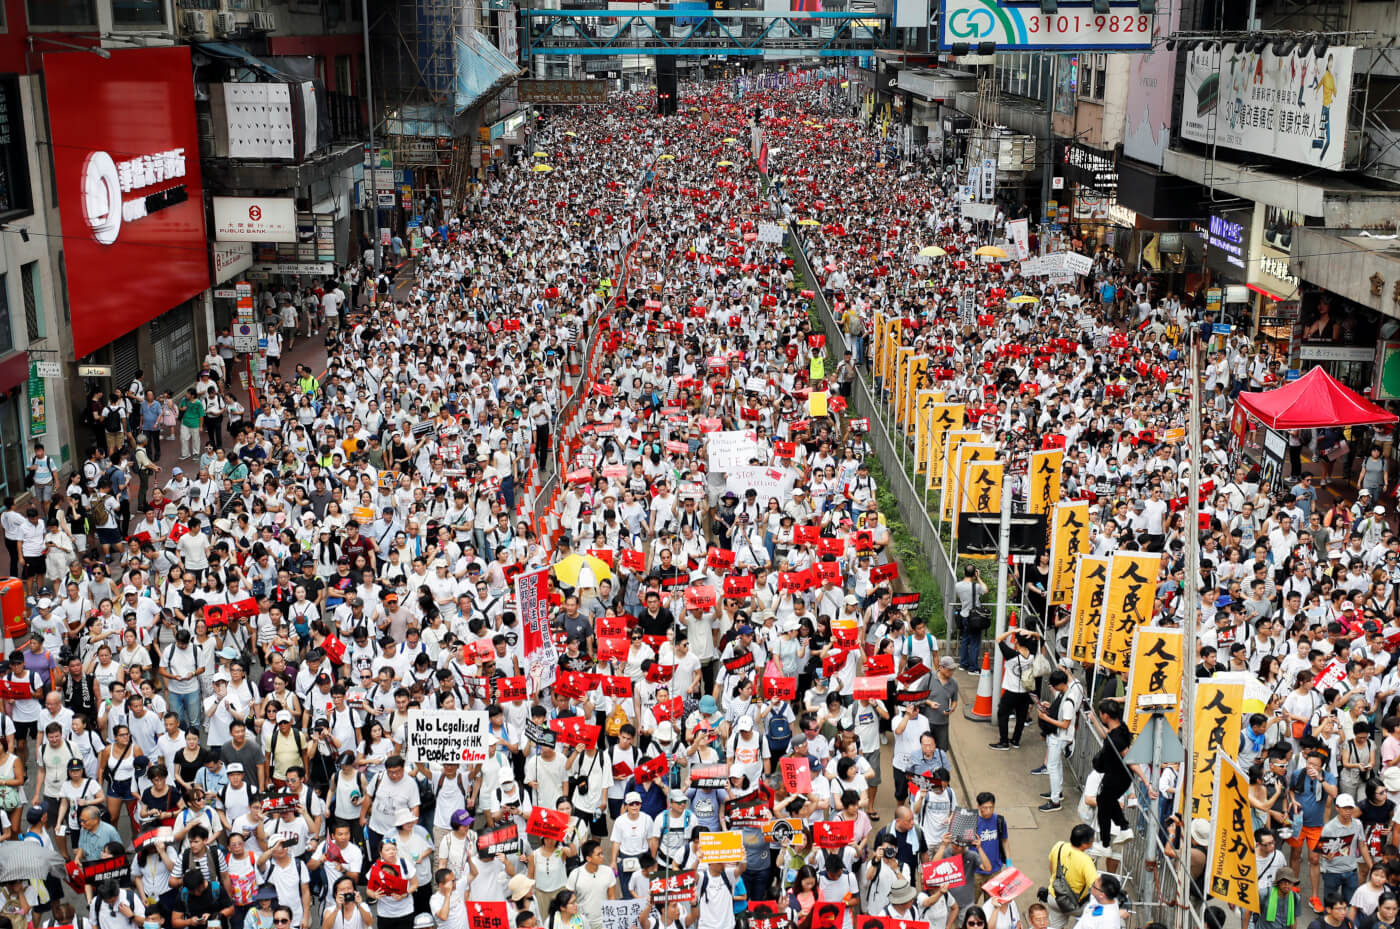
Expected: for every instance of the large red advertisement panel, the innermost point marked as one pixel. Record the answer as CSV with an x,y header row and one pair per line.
x,y
126,155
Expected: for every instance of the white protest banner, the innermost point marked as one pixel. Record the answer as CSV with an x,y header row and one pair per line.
x,y
1076,263
732,449
768,482
771,233
532,601
446,737
1019,232
622,914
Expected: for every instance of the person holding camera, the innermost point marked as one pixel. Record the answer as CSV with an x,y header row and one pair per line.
x,y
348,909
201,904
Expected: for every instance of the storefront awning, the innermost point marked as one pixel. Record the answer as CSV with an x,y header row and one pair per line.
x,y
482,69
241,57
1313,401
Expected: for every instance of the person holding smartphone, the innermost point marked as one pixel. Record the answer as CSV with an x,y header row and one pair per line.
x,y
201,905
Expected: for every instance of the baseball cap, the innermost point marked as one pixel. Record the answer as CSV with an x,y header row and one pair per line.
x,y
1344,801
236,768
283,716
632,797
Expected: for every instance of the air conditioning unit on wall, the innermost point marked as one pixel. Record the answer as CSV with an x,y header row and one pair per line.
x,y
225,24
262,22
195,23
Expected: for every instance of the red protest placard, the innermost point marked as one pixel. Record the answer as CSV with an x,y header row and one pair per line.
x,y
945,872
1007,884
511,689
828,914
1331,676
652,769
488,914
738,662
633,559
784,688
678,888
673,708
574,731
547,823
16,690
879,664
884,572
617,685
572,684
870,688
721,559
738,585
612,648
700,597
797,775
833,661
912,673
831,548
660,673
833,833
828,572
610,625
806,535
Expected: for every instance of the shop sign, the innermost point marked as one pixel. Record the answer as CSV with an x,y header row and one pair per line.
x,y
1090,167
1273,272
1318,352
1228,241
38,405
255,219
299,267
49,368
557,92
1120,215
230,258
128,184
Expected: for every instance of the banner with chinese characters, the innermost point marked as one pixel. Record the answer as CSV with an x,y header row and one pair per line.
x,y
1089,586
532,600
1046,467
924,403
942,417
955,469
1234,865
1132,590
1069,538
1216,721
1154,685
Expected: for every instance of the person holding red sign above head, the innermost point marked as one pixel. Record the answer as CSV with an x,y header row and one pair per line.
x,y
391,885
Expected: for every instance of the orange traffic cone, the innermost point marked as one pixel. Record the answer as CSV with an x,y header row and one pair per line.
x,y
982,707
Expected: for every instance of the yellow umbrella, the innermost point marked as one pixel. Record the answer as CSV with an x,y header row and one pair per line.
x,y
726,164
931,251
730,139
571,134
665,157
808,222
541,154
991,251
567,571
1024,298
543,169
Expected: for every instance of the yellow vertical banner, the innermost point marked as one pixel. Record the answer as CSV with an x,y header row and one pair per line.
x,y
982,485
902,357
1090,583
1132,590
947,469
877,346
1216,721
1234,863
1154,686
924,403
1069,538
892,330
1045,472
957,470
944,419
914,386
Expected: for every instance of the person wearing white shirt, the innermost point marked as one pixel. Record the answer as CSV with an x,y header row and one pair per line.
x,y
1101,911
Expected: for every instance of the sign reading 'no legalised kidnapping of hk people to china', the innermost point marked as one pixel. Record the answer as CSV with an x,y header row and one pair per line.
x,y
446,737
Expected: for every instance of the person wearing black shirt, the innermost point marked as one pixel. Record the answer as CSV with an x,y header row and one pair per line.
x,y
655,619
79,691
199,904
1117,776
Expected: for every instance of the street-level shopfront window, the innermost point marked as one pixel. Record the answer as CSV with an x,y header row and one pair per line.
x,y
12,417
63,13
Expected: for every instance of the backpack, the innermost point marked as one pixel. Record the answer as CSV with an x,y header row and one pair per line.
x,y
210,858
779,733
112,422
272,744
99,511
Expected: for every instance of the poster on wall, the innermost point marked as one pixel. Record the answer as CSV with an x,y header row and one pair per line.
x,y
1150,79
1387,385
1290,106
1275,447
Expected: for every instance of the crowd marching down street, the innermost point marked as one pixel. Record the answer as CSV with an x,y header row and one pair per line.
x,y
565,598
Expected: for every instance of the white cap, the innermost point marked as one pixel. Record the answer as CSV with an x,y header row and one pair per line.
x,y
632,797
45,603
1344,801
222,676
283,716
744,724
236,768
405,818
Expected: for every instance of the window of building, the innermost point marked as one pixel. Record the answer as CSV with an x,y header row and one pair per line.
x,y
12,415
343,82
141,13
63,13
33,308
7,337
1093,76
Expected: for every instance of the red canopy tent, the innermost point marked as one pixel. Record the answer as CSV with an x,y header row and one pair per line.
x,y
1313,401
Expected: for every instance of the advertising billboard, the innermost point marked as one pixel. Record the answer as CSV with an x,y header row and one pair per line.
x,y
255,219
126,159
1292,106
1021,26
1150,78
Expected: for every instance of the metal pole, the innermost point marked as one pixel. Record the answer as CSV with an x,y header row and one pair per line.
x,y
1003,556
1047,165
372,201
1192,604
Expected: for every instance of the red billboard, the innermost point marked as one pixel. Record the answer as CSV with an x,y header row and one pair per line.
x,y
126,155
